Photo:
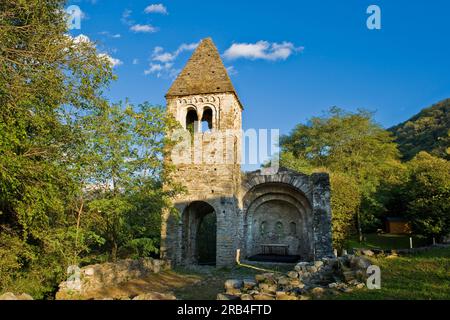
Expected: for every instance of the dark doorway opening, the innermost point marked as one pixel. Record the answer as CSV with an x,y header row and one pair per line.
x,y
206,240
199,234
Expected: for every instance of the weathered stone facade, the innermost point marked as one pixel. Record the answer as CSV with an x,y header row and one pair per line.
x,y
285,207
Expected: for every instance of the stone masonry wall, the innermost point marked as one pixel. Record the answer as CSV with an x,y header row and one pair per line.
x,y
211,174
322,215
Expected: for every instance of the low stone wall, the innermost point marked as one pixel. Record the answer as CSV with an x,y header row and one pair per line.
x,y
394,252
306,281
94,277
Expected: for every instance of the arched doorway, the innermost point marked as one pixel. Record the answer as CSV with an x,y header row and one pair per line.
x,y
199,234
278,217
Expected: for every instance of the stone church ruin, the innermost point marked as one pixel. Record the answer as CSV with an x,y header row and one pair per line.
x,y
283,213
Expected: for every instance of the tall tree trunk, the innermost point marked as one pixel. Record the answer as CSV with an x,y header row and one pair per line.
x,y
114,251
80,211
358,221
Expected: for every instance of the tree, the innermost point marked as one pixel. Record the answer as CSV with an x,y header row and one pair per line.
x,y
352,144
47,80
426,131
345,203
125,148
428,192
77,175
345,198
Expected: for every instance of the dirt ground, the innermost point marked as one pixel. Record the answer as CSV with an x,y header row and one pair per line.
x,y
199,283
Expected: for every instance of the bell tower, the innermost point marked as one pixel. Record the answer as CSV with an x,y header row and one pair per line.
x,y
207,161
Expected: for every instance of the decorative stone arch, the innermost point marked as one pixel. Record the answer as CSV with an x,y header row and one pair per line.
x,y
183,113
288,204
199,104
311,191
278,188
192,215
214,115
298,182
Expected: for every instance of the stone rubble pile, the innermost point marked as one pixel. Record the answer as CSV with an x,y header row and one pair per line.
x,y
151,295
397,252
12,296
99,276
307,280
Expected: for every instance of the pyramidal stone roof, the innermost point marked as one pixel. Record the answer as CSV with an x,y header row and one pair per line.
x,y
204,73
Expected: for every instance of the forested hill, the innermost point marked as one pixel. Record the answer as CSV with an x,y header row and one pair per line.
x,y
428,130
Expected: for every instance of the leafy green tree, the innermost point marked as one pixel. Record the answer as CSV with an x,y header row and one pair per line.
x,y
47,79
345,203
125,148
345,198
428,192
76,174
352,144
426,131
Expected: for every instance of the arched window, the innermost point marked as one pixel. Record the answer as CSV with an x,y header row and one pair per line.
x,y
279,229
207,119
292,229
192,121
263,228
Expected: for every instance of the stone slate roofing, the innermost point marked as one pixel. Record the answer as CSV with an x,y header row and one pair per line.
x,y
204,73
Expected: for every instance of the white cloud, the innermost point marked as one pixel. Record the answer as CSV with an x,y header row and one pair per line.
x,y
110,35
84,39
81,39
155,68
261,50
126,17
156,8
83,15
186,47
231,70
112,61
126,13
135,61
162,62
161,56
146,28
137,27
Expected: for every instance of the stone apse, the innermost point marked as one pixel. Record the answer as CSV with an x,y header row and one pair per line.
x,y
224,209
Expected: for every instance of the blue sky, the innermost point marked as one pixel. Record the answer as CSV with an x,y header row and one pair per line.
x,y
291,59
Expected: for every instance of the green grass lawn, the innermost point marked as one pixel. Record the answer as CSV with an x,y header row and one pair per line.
x,y
423,275
388,241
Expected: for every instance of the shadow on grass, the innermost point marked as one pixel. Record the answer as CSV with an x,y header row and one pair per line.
x,y
388,241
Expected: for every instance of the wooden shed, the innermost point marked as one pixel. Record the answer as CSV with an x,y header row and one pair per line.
x,y
398,225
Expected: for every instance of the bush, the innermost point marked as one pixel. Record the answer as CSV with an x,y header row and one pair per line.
x,y
142,247
428,192
345,200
